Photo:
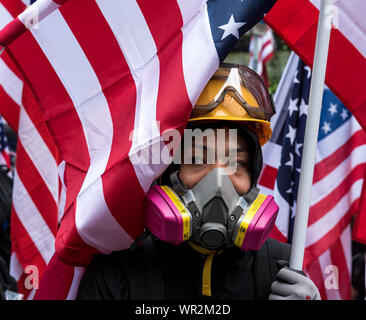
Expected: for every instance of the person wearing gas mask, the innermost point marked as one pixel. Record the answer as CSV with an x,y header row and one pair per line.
x,y
207,223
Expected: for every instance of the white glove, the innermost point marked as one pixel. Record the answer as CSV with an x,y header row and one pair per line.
x,y
293,285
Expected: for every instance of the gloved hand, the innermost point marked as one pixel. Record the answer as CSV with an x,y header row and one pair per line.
x,y
293,285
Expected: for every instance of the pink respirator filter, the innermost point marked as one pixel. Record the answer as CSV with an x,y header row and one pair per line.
x,y
162,217
261,225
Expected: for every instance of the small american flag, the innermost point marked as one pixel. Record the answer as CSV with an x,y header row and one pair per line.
x,y
4,148
338,178
100,70
261,51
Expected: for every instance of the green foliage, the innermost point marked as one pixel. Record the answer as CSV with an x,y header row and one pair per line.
x,y
275,69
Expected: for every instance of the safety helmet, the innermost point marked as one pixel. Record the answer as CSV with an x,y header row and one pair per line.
x,y
236,93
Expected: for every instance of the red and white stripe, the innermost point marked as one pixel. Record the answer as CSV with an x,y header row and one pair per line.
x,y
339,172
295,21
34,219
264,46
118,93
335,199
26,17
5,158
359,227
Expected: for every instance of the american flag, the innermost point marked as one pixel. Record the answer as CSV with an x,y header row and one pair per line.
x,y
296,22
100,70
4,148
36,195
338,178
261,51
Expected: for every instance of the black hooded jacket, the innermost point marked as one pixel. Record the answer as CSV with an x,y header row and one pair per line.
x,y
162,271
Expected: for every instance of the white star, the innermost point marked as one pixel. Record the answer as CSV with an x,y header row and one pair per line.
x,y
303,108
231,27
326,127
333,109
297,148
293,210
291,134
344,114
291,161
296,79
293,106
290,189
308,69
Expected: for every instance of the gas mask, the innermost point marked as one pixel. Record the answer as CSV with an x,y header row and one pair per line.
x,y
211,214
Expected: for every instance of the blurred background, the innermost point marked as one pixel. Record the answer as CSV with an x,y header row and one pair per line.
x,y
275,54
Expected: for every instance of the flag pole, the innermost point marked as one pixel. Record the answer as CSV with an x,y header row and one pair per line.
x,y
311,136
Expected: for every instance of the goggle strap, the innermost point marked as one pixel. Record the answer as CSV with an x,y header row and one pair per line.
x,y
233,81
182,190
178,186
254,112
252,194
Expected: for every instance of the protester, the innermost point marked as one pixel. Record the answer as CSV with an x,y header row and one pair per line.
x,y
11,137
358,270
7,283
211,263
5,210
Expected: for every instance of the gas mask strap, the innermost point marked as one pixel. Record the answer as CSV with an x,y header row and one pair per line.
x,y
251,195
140,239
178,186
184,192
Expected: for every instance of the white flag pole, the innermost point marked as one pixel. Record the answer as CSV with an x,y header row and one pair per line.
x,y
311,135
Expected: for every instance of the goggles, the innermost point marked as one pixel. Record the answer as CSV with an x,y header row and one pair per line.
x,y
242,84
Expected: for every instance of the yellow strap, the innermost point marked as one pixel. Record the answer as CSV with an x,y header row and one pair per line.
x,y
247,219
206,276
201,249
182,210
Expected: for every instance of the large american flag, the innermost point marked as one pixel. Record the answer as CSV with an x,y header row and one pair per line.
x,y
100,70
34,217
338,179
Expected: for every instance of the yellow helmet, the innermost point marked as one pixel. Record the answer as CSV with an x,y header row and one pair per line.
x,y
236,93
